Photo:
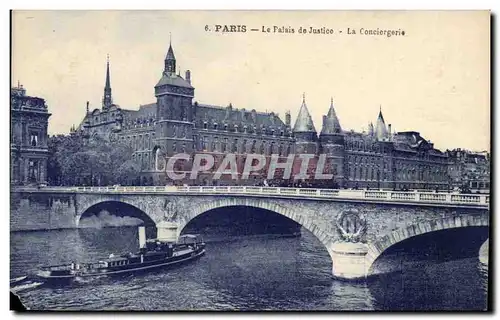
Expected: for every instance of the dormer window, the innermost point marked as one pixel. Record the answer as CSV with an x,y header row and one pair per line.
x,y
205,125
235,128
245,129
225,126
282,133
215,126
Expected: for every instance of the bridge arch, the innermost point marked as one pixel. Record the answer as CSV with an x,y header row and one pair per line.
x,y
288,212
382,244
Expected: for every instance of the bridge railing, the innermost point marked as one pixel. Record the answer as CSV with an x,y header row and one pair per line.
x,y
383,195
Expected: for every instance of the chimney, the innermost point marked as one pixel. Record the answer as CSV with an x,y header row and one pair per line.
x,y
288,119
389,127
142,237
87,107
188,76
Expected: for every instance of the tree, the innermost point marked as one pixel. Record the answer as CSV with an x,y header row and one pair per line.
x,y
75,160
128,173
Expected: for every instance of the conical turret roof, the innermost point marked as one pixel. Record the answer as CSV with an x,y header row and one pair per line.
x,y
331,124
304,121
381,130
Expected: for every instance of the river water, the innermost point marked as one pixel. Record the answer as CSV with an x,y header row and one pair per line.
x,y
247,273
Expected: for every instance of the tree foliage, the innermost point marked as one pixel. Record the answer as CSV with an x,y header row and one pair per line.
x,y
75,160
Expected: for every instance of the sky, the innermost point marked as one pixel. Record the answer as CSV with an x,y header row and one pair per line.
x,y
434,80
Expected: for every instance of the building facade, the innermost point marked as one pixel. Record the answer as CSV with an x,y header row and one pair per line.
x,y
175,123
469,170
28,138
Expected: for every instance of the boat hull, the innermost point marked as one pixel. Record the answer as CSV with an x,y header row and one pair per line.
x,y
123,270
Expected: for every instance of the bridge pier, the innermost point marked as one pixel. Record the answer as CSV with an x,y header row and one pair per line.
x,y
167,231
348,260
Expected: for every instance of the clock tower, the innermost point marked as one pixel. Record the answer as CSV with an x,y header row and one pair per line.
x,y
174,112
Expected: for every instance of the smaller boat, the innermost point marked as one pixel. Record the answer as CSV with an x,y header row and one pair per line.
x,y
152,254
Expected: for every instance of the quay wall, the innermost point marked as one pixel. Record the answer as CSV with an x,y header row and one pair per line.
x,y
42,211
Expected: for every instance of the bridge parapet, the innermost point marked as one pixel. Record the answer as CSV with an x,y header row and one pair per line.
x,y
412,197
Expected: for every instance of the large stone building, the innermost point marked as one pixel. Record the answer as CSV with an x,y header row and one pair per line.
x,y
28,138
175,123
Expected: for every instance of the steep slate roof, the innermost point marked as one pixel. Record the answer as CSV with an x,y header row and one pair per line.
x,y
241,117
304,121
173,80
146,111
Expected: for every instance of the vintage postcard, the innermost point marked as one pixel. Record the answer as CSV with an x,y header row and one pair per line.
x,y
250,160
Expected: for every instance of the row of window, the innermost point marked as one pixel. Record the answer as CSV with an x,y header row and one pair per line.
x,y
479,185
246,129
243,146
139,142
369,173
361,145
143,159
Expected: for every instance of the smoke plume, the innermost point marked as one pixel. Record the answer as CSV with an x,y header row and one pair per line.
x,y
105,219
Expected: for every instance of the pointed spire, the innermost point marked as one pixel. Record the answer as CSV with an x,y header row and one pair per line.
x,y
381,132
331,124
107,99
170,53
108,82
304,121
170,60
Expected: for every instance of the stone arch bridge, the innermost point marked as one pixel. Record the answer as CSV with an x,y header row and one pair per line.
x,y
355,226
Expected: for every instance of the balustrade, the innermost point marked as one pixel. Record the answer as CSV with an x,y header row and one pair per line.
x,y
254,190
436,197
328,193
376,194
270,190
403,195
415,196
465,198
288,191
307,191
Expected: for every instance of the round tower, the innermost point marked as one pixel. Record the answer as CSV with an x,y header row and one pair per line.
x,y
331,141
